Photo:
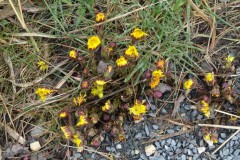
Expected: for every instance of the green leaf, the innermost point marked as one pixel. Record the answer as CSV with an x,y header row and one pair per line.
x,y
67,1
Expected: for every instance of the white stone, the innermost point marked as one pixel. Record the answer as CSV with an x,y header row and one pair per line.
x,y
35,146
137,151
201,149
119,146
150,150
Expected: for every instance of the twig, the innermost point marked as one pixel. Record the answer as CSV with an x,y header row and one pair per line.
x,y
14,134
169,136
219,126
226,141
227,113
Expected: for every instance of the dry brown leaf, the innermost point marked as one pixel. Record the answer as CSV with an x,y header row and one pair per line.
x,y
162,87
102,67
177,104
14,134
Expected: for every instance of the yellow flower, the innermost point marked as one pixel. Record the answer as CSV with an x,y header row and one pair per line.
x,y
138,108
107,107
230,58
100,17
156,77
93,42
188,84
43,93
100,82
132,52
154,82
98,90
42,65
73,54
79,100
232,118
66,131
160,64
121,61
63,114
138,34
209,77
77,140
204,107
82,120
207,137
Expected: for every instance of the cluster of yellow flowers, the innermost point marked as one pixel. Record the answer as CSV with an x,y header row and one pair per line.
x,y
138,109
98,89
204,108
43,93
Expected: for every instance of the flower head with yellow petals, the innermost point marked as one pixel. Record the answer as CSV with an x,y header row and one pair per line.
x,y
156,77
188,84
83,120
138,34
42,65
100,17
230,58
132,52
93,43
204,108
138,109
67,132
73,54
79,100
107,107
97,90
121,62
43,93
77,140
209,78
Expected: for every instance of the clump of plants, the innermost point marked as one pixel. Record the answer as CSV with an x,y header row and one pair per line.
x,y
105,98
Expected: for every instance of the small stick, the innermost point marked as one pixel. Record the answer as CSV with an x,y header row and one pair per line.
x,y
219,126
168,136
227,113
226,141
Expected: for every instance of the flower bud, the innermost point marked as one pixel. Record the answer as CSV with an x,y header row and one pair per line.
x,y
157,94
107,127
160,64
96,141
114,131
84,84
147,74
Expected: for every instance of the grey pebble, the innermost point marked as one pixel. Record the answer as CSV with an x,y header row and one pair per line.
x,y
194,150
132,153
220,140
223,135
183,157
187,107
225,152
113,149
235,138
153,107
191,146
173,143
221,154
195,157
236,152
199,117
164,111
152,114
169,141
167,148
125,127
117,155
194,113
231,143
139,135
179,144
77,155
163,142
147,130
155,126
190,153
143,156
108,149
157,144
119,146
170,131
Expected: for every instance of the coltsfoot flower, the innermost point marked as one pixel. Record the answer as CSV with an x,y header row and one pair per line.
x,y
84,84
43,93
73,54
79,100
138,108
66,131
100,17
188,84
83,120
63,114
42,65
204,108
97,90
93,43
138,34
121,61
77,140
107,107
209,78
156,77
132,52
160,64
100,82
230,58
